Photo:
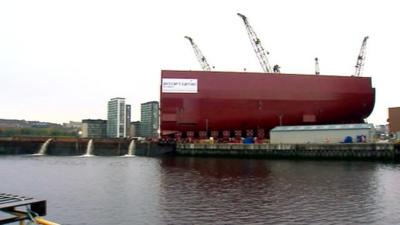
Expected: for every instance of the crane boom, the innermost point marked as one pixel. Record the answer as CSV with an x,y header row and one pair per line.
x,y
361,58
199,55
256,43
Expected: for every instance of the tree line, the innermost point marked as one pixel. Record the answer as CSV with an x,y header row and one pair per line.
x,y
53,132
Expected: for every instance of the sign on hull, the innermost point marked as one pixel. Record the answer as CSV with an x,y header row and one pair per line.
x,y
171,85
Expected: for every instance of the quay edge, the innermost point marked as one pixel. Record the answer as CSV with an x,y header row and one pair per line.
x,y
77,146
364,151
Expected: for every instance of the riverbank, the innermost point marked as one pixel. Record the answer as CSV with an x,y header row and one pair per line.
x,y
118,147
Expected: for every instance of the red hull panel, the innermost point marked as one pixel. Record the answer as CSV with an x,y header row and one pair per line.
x,y
240,101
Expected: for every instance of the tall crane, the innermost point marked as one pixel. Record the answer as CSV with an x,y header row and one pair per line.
x,y
258,48
199,55
361,58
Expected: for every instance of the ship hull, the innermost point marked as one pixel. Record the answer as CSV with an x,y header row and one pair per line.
x,y
241,101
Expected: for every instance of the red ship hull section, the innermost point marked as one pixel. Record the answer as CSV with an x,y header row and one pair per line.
x,y
240,101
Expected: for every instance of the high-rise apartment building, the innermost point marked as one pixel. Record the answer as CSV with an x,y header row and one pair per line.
x,y
117,118
149,119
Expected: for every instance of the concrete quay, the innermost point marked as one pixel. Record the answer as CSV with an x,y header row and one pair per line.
x,y
364,151
61,146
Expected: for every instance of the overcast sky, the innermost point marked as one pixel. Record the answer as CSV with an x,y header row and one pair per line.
x,y
63,60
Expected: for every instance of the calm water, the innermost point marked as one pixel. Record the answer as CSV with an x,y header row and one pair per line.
x,y
114,190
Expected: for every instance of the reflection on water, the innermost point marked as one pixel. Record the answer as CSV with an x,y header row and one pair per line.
x,y
271,192
115,190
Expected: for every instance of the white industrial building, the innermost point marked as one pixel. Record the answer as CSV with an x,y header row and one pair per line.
x,y
336,133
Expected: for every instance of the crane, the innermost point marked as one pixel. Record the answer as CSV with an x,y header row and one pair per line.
x,y
316,66
361,58
258,48
199,55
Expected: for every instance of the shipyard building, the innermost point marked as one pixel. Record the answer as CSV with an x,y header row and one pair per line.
x,y
318,134
394,121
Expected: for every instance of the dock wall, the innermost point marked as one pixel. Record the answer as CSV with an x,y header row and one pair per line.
x,y
118,147
78,146
296,151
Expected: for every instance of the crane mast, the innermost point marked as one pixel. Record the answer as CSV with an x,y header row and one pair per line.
x,y
361,58
316,66
256,43
199,55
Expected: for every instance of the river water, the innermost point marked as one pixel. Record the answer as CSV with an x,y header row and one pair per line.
x,y
184,190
